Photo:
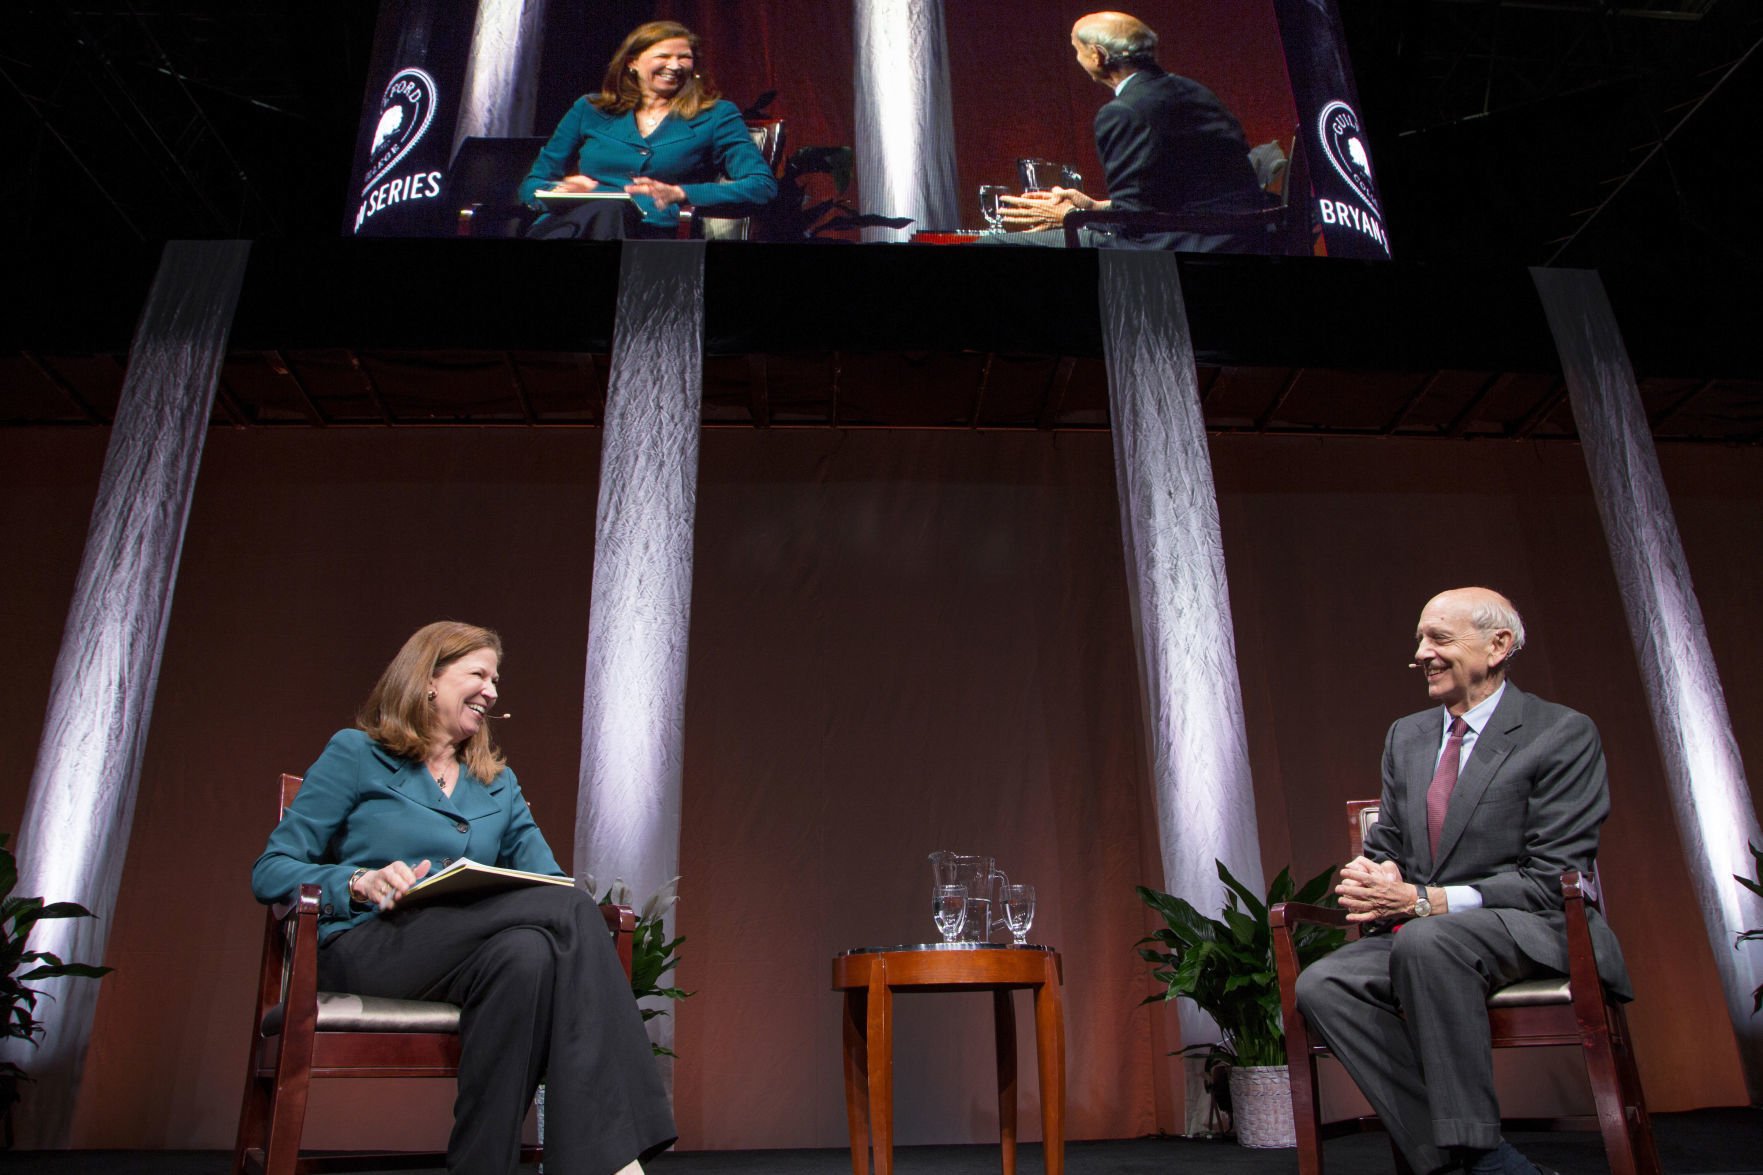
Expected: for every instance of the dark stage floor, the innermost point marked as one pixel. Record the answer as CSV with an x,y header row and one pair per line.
x,y
1700,1142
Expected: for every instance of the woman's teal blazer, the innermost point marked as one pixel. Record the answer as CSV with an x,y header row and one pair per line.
x,y
711,156
363,807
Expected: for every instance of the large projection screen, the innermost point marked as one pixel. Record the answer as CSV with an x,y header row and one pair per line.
x,y
462,93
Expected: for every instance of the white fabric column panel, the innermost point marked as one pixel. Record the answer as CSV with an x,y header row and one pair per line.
x,y
633,712
82,794
1715,817
905,134
502,73
1193,699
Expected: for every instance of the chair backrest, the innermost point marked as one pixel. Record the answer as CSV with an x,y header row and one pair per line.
x,y
290,789
1269,162
1361,815
1294,198
768,136
483,179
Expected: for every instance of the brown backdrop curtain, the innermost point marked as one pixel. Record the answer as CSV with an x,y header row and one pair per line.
x,y
900,641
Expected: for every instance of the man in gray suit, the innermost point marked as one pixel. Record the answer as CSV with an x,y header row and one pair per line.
x,y
1487,797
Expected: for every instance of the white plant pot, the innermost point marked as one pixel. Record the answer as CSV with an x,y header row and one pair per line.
x,y
1261,1106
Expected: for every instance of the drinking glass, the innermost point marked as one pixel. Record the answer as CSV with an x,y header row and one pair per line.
x,y
1070,177
989,207
1037,175
1019,911
949,910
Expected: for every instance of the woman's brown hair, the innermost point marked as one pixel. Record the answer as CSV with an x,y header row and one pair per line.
x,y
398,714
619,91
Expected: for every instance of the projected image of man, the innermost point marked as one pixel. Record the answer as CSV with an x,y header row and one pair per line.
x,y
1167,144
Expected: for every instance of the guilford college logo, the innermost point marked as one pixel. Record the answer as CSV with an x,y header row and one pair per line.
x,y
406,110
405,113
1343,142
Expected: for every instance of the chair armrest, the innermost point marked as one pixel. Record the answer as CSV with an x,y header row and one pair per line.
x,y
302,902
1284,918
1171,222
290,963
1289,914
621,923
1577,893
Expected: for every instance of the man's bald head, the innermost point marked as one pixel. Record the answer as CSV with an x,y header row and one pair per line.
x,y
1487,609
1126,41
1464,641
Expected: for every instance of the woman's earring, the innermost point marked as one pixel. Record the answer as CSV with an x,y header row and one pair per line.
x,y
431,695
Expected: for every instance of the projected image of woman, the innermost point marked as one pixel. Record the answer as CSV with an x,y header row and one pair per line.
x,y
415,785
657,131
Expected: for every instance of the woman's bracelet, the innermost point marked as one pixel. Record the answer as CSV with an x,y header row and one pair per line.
x,y
350,886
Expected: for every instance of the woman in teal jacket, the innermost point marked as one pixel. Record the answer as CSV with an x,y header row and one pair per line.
x,y
418,785
656,131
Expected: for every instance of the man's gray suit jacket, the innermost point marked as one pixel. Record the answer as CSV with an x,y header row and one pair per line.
x,y
1526,807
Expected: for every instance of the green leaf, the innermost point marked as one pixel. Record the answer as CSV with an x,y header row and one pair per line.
x,y
1319,890
69,970
64,910
1251,903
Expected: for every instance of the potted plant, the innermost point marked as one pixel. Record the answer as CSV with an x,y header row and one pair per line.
x,y
18,1002
1225,966
809,209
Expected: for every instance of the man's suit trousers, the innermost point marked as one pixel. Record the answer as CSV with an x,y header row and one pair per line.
x,y
1406,1013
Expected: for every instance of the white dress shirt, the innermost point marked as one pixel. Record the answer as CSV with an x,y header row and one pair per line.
x,y
1465,897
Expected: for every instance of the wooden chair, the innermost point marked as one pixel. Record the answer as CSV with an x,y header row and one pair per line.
x,y
299,1033
1575,1010
768,135
481,183
1285,223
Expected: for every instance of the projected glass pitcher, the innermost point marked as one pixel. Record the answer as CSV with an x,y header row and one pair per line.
x,y
985,884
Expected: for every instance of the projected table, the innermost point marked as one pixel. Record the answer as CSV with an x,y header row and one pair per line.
x,y
870,976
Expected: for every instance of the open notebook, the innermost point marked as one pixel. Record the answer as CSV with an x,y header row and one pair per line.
x,y
468,878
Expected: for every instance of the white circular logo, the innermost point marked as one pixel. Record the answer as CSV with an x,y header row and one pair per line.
x,y
406,110
1337,128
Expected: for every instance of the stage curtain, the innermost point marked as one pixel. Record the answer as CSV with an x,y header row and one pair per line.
x,y
1715,817
81,802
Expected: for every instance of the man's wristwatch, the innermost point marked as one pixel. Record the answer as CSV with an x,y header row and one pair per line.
x,y
1422,907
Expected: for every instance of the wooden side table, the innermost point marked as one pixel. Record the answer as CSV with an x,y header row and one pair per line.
x,y
870,976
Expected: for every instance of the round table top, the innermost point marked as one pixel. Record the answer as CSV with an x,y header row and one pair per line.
x,y
960,966
944,946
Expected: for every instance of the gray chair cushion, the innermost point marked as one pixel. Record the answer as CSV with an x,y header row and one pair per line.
x,y
1532,993
340,1012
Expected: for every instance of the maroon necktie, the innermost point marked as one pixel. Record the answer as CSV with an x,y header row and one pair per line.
x,y
1444,781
